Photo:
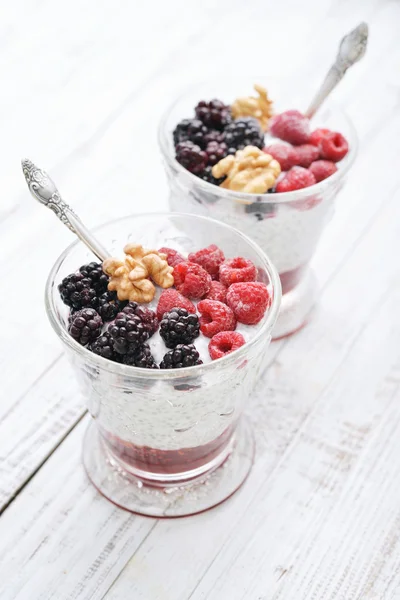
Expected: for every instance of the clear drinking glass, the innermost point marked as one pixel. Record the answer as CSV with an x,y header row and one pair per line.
x,y
158,435
287,226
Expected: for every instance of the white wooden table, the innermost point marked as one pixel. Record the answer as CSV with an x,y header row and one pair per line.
x,y
83,86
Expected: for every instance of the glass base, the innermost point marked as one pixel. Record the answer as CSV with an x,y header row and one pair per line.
x,y
131,493
295,307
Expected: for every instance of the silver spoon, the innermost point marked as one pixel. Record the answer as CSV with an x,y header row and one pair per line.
x,y
352,48
44,190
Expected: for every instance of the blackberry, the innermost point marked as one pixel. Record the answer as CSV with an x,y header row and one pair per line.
x,y
128,333
179,327
104,346
207,175
191,156
216,151
214,114
110,306
181,356
141,358
147,316
85,326
244,132
190,129
75,291
94,273
214,136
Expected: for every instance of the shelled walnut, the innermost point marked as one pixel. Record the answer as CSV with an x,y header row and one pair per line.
x,y
258,107
250,170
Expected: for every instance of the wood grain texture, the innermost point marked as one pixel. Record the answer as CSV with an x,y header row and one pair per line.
x,y
318,518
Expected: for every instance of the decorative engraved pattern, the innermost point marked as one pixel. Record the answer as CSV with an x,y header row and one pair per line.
x,y
44,190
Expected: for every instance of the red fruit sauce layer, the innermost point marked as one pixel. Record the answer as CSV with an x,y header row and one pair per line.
x,y
289,279
167,462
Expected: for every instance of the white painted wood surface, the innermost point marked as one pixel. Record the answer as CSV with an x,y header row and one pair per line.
x,y
84,85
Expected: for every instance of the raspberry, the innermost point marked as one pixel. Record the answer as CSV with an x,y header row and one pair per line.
x,y
334,146
191,156
215,317
249,301
173,256
217,292
306,154
295,179
209,258
291,126
283,153
224,343
317,135
179,327
236,270
191,280
172,299
321,169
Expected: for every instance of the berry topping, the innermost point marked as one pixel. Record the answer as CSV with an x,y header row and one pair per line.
x,y
236,270
141,358
215,317
224,343
215,114
295,179
110,306
191,280
190,129
75,291
306,154
291,126
244,132
217,292
191,156
147,316
85,325
104,347
94,273
214,136
179,327
128,333
249,301
171,299
283,153
173,256
216,151
321,169
207,175
333,146
181,356
317,135
209,258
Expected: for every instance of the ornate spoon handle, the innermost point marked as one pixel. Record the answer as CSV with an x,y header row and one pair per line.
x,y
352,48
44,190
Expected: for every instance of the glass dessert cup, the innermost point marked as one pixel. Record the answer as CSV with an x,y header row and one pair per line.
x,y
167,443
287,226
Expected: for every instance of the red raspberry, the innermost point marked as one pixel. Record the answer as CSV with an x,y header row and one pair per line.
x,y
249,301
224,343
283,153
306,154
237,269
173,256
217,292
295,179
172,299
317,135
334,146
209,258
191,280
291,126
215,317
321,169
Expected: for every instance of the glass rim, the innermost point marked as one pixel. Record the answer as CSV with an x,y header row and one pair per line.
x,y
140,372
241,197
